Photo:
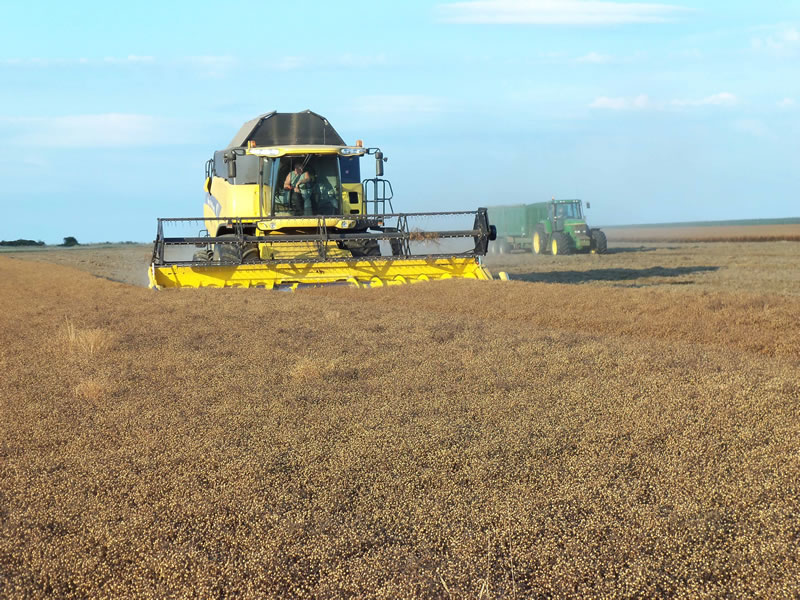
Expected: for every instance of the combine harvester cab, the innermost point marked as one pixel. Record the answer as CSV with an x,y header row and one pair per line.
x,y
286,207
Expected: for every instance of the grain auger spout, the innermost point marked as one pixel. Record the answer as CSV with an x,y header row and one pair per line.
x,y
289,252
285,206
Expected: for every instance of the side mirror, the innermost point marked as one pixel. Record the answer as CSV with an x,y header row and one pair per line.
x,y
588,205
230,160
379,164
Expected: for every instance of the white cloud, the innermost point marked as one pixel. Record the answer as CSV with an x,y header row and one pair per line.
x,y
130,59
357,61
783,41
688,54
341,61
721,99
374,115
556,12
644,102
288,63
612,103
396,111
66,62
752,127
640,102
594,58
89,131
211,67
389,105
786,103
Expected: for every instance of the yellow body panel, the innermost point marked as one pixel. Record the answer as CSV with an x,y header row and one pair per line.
x,y
363,273
352,208
300,251
233,200
338,222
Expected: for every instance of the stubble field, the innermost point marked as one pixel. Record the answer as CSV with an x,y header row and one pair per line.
x,y
609,426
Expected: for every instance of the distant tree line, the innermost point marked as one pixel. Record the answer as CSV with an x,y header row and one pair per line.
x,y
21,243
68,241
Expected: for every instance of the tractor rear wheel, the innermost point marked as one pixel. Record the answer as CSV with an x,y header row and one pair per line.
x,y
539,241
599,241
559,244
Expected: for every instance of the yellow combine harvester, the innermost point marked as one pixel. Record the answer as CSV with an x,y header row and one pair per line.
x,y
286,207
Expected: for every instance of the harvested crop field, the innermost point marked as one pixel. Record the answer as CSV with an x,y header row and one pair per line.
x,y
614,426
719,233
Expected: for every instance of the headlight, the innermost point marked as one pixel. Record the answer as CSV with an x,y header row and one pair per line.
x,y
351,151
265,151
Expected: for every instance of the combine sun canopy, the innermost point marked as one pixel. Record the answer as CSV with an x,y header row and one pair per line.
x,y
287,129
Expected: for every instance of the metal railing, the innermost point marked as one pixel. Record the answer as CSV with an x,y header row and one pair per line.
x,y
382,195
360,234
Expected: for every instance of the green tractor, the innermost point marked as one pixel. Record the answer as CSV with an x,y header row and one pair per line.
x,y
561,229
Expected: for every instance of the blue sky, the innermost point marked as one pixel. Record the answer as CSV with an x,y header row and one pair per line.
x,y
654,112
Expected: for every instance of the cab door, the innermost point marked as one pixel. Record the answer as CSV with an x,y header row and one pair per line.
x,y
556,214
266,184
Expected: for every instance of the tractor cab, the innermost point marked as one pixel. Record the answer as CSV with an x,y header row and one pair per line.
x,y
562,212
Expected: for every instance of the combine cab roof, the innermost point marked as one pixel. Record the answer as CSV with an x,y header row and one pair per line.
x,y
287,129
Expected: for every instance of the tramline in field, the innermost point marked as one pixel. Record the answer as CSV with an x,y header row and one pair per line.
x,y
286,207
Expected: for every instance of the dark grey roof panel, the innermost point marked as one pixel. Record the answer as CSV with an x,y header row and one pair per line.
x,y
287,129
240,139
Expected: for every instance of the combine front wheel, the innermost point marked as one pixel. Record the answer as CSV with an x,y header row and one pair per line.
x,y
359,248
226,252
230,252
204,255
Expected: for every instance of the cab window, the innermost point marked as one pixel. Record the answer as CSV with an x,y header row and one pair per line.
x,y
324,188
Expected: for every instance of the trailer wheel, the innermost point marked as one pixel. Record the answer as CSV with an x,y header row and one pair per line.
x,y
503,247
599,241
539,241
559,244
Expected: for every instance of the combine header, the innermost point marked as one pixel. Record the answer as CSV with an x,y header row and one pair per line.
x,y
286,207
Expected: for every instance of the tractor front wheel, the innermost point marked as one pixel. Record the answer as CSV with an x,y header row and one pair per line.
x,y
599,241
559,244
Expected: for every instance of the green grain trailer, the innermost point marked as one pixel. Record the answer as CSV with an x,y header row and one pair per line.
x,y
554,227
